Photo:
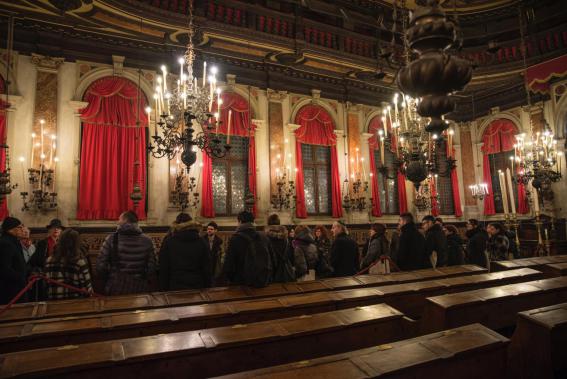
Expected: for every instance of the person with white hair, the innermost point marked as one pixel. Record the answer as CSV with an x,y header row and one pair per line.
x,y
344,251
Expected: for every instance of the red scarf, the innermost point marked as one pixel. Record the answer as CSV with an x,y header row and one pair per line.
x,y
50,245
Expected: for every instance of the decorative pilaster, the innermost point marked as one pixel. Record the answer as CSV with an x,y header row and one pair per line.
x,y
278,146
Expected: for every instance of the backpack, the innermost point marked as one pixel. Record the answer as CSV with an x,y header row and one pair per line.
x,y
258,264
284,271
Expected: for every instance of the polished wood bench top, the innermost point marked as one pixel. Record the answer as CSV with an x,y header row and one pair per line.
x,y
221,294
409,298
538,346
557,269
494,307
534,262
198,351
472,351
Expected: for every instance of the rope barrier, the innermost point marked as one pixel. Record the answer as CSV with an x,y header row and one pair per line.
x,y
36,277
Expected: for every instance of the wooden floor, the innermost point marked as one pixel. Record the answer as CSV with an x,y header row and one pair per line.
x,y
419,324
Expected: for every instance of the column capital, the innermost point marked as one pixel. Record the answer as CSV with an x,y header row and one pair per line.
x,y
46,63
276,96
260,124
339,132
78,105
364,137
293,127
12,100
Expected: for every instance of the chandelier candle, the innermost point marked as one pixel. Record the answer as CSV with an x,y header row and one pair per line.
x,y
228,130
511,191
503,191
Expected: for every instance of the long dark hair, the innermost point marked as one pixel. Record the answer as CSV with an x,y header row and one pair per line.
x,y
68,248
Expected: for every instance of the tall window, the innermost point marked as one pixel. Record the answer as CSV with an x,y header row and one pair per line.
x,y
317,178
444,183
387,182
230,178
499,162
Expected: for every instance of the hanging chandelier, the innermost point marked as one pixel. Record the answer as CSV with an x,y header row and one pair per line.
x,y
179,107
185,194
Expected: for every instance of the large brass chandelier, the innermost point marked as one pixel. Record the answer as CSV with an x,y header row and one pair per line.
x,y
185,104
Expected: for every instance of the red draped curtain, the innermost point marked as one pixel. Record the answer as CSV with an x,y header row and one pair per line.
x,y
317,128
455,184
3,136
499,136
374,144
239,126
111,143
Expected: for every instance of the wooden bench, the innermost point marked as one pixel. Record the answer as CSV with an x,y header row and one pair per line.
x,y
539,345
472,351
556,269
494,307
221,294
217,351
537,263
410,297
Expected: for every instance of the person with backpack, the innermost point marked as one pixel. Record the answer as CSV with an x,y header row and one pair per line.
x,y
248,258
378,246
127,260
282,250
305,253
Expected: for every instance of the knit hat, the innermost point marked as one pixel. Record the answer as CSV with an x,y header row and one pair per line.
x,y
10,223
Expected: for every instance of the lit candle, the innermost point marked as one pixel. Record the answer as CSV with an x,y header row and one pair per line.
x,y
357,162
389,108
181,61
52,147
363,169
32,149
204,73
382,150
41,122
22,159
164,71
148,112
229,121
503,191
511,191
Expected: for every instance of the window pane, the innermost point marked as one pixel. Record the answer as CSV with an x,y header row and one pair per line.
x,y
309,187
324,188
306,152
220,189
238,176
323,154
387,184
239,149
444,183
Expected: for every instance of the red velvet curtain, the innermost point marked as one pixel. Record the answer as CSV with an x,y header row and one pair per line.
x,y
239,125
111,143
374,143
499,136
434,203
317,128
3,135
455,186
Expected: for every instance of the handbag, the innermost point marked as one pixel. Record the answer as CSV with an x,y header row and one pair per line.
x,y
382,266
122,283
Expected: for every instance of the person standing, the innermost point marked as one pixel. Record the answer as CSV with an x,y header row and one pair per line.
x,y
282,250
476,243
248,257
305,253
323,243
455,253
214,242
378,246
13,272
184,259
127,258
411,248
45,247
435,243
28,248
344,251
68,265
498,244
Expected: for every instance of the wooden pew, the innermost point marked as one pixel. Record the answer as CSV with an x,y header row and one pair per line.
x,y
221,294
472,351
537,263
410,298
538,347
211,352
556,269
494,307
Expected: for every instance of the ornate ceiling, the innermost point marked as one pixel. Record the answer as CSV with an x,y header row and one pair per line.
x,y
334,46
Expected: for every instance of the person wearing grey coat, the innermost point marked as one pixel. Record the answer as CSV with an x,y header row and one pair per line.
x,y
377,246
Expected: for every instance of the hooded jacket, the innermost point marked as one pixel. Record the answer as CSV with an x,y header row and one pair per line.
x,y
305,253
184,259
411,249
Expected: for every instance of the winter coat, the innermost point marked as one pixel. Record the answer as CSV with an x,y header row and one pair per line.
x,y
238,247
306,256
324,268
184,259
136,257
435,240
74,273
377,247
13,271
497,247
38,259
411,249
344,256
283,252
216,254
476,246
455,253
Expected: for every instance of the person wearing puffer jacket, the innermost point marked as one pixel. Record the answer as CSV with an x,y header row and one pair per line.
x,y
282,251
305,254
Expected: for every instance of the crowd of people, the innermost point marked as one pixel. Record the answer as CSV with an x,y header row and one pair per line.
x,y
192,258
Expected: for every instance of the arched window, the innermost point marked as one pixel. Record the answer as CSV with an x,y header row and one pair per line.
x,y
226,180
498,145
318,187
113,150
388,184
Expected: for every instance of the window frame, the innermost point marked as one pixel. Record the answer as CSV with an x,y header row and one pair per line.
x,y
383,184
316,165
503,158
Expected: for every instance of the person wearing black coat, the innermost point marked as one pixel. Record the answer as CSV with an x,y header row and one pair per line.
x,y
476,243
435,241
215,248
411,248
184,259
13,271
344,252
455,253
